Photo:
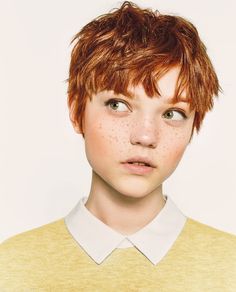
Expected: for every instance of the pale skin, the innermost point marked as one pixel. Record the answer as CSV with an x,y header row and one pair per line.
x,y
150,127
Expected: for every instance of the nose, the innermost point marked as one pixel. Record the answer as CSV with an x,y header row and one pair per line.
x,y
144,133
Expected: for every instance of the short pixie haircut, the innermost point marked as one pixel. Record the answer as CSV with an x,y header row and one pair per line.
x,y
131,46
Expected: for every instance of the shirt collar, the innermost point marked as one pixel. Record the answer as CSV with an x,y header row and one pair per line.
x,y
99,240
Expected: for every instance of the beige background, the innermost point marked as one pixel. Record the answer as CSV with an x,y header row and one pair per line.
x,y
43,168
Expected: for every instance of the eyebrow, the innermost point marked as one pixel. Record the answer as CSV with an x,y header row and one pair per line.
x,y
168,100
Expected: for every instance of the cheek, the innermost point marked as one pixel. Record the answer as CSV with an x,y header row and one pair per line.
x,y
174,147
177,154
95,141
104,138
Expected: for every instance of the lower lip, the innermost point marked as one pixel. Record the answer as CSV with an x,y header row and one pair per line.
x,y
138,169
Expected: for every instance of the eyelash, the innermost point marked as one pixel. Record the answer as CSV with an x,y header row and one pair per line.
x,y
179,111
110,101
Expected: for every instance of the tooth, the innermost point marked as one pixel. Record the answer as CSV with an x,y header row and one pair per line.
x,y
139,163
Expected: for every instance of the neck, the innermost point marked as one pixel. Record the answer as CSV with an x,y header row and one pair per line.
x,y
123,213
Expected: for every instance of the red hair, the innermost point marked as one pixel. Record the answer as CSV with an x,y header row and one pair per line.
x,y
131,45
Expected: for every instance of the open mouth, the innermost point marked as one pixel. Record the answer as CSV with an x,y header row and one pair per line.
x,y
140,168
140,163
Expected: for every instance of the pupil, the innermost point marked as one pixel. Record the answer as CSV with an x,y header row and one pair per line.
x,y
114,105
169,114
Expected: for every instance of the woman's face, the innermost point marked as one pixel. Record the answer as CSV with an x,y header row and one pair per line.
x,y
117,128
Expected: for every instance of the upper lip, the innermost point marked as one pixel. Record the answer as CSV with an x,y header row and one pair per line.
x,y
140,159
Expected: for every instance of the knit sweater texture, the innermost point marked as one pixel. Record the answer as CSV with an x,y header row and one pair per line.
x,y
47,258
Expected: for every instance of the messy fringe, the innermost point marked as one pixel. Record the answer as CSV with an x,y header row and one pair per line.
x,y
130,46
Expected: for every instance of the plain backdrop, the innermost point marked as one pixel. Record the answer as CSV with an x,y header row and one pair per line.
x,y
43,167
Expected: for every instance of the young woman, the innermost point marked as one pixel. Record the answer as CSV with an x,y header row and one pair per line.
x,y
140,84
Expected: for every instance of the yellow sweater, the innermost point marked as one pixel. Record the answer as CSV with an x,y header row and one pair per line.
x,y
202,259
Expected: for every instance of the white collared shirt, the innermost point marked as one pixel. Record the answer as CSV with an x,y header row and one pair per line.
x,y
99,240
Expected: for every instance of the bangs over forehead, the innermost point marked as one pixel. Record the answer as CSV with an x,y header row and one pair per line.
x,y
132,46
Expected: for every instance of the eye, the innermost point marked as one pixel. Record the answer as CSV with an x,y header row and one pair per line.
x,y
114,105
175,115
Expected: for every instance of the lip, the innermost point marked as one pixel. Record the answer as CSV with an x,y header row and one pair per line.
x,y
137,169
141,159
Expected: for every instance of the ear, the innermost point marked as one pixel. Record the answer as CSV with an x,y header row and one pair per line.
x,y
73,120
76,127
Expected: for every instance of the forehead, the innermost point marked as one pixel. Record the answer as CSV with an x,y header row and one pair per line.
x,y
166,86
167,95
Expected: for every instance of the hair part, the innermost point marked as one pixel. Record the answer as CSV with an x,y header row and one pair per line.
x,y
129,46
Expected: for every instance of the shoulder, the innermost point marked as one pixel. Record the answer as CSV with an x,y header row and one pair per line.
x,y
198,230
42,233
209,240
33,242
25,258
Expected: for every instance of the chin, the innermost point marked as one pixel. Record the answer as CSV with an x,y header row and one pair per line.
x,y
134,192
